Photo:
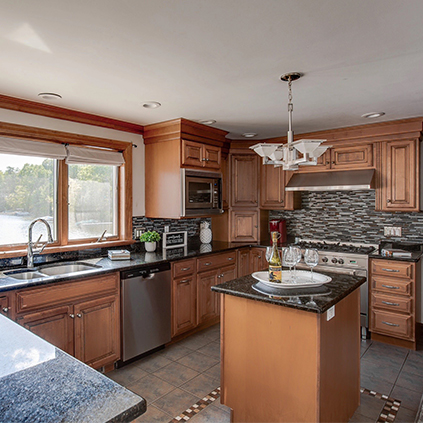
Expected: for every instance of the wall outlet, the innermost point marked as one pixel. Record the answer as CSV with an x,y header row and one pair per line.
x,y
392,230
387,231
330,314
397,230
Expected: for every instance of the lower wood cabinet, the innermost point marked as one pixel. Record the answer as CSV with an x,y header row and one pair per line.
x,y
243,262
81,317
6,304
258,259
184,299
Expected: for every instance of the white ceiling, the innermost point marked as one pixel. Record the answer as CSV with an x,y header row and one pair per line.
x,y
218,59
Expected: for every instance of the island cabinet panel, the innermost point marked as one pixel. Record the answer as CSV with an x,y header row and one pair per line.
x,y
97,331
55,325
400,176
285,365
82,317
184,300
244,177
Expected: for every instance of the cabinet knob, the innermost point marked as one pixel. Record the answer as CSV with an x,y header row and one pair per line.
x,y
72,316
5,309
79,315
388,201
333,162
259,256
327,162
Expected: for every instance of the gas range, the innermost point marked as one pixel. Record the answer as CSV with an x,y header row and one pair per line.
x,y
338,247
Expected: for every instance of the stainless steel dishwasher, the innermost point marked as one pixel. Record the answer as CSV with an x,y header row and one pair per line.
x,y
146,303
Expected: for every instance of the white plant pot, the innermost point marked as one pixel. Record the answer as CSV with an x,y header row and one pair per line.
x,y
150,246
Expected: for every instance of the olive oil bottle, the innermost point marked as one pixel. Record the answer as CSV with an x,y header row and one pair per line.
x,y
275,262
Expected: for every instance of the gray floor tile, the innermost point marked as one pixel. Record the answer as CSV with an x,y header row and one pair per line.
x,y
214,371
201,385
176,401
409,399
198,361
151,387
410,381
376,384
223,407
212,414
127,375
370,407
153,362
386,350
405,415
175,352
378,369
414,364
176,373
196,341
359,418
153,415
212,349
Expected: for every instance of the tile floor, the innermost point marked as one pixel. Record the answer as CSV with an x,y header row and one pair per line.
x,y
177,377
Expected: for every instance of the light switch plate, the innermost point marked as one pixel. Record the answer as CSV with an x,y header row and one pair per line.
x,y
330,314
397,230
387,231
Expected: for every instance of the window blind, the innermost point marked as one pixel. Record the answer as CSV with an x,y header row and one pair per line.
x,y
81,155
32,148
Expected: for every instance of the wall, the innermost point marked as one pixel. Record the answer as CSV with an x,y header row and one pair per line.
x,y
28,119
348,216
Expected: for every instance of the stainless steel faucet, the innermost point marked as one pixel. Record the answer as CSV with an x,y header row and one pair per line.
x,y
32,248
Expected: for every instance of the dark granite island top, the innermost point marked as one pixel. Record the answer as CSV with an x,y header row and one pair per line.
x,y
323,297
40,383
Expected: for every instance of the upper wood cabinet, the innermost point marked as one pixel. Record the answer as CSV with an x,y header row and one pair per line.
x,y
244,178
205,156
400,176
244,225
225,182
354,157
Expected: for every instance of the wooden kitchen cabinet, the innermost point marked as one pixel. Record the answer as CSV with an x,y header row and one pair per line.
x,y
6,307
81,317
272,187
258,260
243,261
196,154
392,301
400,182
244,180
244,225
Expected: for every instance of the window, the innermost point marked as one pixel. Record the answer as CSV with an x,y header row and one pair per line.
x,y
28,190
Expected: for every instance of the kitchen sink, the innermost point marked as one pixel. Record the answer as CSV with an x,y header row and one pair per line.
x,y
25,274
67,268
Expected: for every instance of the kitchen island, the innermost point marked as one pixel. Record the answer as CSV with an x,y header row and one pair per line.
x,y
284,357
41,383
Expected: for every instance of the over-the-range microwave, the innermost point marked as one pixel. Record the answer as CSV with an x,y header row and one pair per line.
x,y
201,193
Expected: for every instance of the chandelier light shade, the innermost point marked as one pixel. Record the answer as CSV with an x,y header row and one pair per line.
x,y
293,153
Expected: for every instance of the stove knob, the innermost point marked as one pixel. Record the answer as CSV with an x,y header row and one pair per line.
x,y
324,259
334,260
340,261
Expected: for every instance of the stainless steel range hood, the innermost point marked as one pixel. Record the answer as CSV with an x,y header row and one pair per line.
x,y
346,180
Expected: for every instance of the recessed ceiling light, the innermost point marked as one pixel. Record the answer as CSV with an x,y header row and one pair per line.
x,y
50,96
372,115
207,122
151,105
249,134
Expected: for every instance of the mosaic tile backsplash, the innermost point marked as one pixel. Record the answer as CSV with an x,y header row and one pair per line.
x,y
347,216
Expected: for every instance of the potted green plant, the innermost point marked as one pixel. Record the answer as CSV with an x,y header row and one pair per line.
x,y
150,238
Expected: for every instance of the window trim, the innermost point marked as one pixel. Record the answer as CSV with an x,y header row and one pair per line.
x,y
124,188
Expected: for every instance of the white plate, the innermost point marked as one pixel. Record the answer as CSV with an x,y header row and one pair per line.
x,y
303,279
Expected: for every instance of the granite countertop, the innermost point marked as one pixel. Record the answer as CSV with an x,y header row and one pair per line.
x,y
415,257
324,296
41,383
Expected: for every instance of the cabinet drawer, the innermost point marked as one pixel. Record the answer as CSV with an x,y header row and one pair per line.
x,y
392,324
393,268
393,303
391,285
62,293
216,260
182,268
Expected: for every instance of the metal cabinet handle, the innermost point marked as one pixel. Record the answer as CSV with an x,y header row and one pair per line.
x,y
390,324
79,315
72,316
184,269
390,286
184,281
207,264
230,258
5,309
391,304
390,270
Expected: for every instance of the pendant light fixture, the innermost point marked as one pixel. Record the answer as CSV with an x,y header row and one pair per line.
x,y
293,153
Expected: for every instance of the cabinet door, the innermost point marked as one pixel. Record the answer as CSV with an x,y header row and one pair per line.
x,y
211,156
5,305
323,163
355,157
243,262
272,187
54,325
207,300
225,183
258,260
400,176
244,225
244,177
184,316
192,153
97,331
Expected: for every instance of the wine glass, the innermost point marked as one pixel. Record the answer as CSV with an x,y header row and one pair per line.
x,y
290,259
311,259
298,256
268,253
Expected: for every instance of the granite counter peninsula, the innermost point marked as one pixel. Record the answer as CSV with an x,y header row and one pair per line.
x,y
284,358
41,383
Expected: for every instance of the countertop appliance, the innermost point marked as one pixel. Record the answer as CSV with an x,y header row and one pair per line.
x,y
351,259
201,192
145,308
276,225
